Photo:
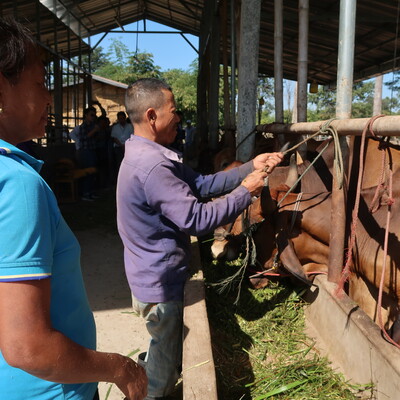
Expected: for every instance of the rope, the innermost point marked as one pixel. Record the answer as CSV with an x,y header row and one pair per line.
x,y
302,142
385,249
349,257
338,158
245,138
301,176
250,257
269,273
295,211
373,206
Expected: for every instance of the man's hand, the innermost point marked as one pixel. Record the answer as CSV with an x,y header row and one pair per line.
x,y
267,161
254,182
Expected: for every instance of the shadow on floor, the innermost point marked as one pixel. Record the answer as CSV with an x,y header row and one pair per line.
x,y
94,224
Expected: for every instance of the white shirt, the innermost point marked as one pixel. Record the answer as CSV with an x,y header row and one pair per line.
x,y
122,133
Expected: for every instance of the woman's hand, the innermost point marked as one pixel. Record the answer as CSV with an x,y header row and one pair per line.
x,y
133,380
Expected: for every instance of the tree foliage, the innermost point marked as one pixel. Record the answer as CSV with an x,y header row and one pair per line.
x,y
322,105
122,65
265,95
184,86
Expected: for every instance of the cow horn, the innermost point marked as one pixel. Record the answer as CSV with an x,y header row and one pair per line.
x,y
284,147
292,174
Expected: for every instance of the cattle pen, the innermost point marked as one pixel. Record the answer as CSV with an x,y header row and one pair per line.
x,y
342,330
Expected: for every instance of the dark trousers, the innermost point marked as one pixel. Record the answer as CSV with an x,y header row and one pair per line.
x,y
96,395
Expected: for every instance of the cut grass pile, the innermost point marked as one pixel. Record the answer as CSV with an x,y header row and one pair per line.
x,y
260,348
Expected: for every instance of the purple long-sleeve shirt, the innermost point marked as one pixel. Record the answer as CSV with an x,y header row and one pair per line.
x,y
159,205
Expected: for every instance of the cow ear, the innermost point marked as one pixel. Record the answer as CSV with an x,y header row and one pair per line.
x,y
268,204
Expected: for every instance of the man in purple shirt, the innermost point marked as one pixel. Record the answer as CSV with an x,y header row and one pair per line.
x,y
159,206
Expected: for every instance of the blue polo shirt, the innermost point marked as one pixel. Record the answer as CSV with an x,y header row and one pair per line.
x,y
36,243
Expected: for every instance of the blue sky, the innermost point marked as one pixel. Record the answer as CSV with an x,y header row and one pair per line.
x,y
169,50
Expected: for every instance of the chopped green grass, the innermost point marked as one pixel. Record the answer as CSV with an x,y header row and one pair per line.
x,y
260,348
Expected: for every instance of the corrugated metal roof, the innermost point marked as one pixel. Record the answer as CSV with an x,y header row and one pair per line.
x,y
109,81
376,43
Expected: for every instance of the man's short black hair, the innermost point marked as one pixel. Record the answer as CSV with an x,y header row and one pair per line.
x,y
144,94
86,111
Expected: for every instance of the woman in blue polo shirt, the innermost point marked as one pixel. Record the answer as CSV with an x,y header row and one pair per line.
x,y
47,330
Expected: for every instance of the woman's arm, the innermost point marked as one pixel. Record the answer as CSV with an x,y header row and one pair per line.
x,y
28,342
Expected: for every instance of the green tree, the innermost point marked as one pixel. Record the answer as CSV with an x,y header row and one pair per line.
x,y
390,105
322,105
265,95
97,59
363,99
184,86
125,66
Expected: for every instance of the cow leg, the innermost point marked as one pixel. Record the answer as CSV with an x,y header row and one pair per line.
x,y
366,295
315,268
396,330
360,292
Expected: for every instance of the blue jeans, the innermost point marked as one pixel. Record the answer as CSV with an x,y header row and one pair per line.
x,y
164,322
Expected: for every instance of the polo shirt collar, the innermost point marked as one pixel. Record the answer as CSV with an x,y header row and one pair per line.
x,y
169,152
9,149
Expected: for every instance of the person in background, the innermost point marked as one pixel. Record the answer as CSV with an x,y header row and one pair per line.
x,y
103,141
178,143
85,137
47,330
190,143
160,203
120,133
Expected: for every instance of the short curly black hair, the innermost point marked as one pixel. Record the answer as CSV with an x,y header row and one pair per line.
x,y
16,42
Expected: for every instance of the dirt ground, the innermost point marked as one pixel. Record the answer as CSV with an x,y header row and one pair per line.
x,y
118,329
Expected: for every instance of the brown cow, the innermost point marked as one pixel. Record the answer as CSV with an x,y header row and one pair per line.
x,y
305,242
317,178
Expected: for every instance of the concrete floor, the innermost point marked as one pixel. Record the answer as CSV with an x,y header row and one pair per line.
x,y
118,330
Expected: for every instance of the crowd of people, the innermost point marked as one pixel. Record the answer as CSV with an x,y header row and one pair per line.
x,y
102,145
47,330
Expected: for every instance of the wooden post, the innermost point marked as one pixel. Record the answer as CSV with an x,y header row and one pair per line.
x,y
198,370
378,95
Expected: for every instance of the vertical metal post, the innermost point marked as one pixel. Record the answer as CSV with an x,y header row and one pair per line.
x,y
302,62
202,127
213,108
233,63
224,37
278,56
248,76
345,58
343,111
58,100
37,12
